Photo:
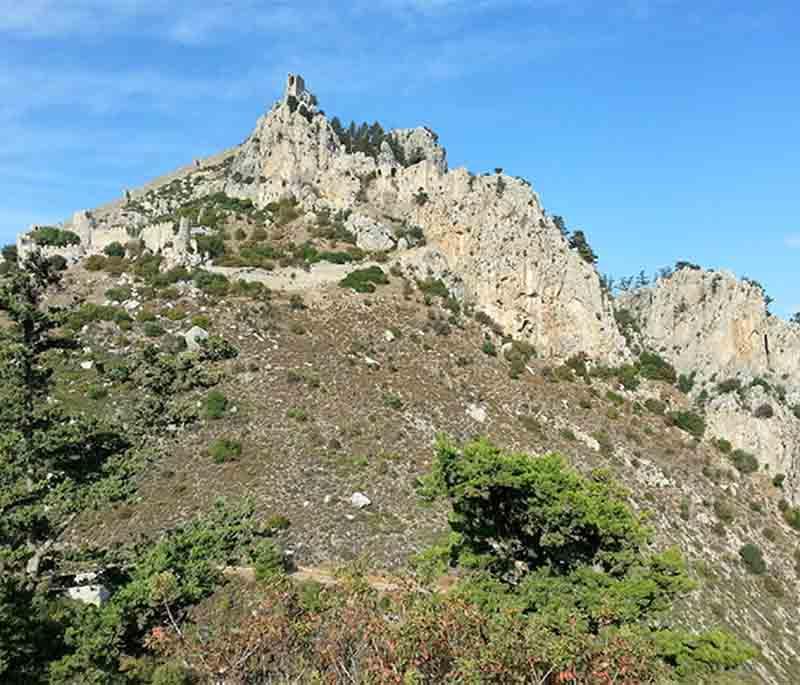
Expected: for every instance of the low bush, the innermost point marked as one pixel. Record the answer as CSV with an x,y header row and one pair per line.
x,y
655,406
729,385
686,383
364,280
215,348
95,262
269,561
215,405
722,445
745,462
688,421
298,414
655,368
434,287
119,294
114,249
152,329
724,511
392,401
212,284
225,449
752,558
54,237
764,411
57,262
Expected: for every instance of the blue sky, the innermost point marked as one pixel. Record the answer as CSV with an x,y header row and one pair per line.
x,y
665,129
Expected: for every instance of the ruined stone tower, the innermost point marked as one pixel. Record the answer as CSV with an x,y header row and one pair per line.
x,y
296,88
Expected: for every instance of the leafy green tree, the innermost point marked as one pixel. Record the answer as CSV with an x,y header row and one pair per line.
x,y
41,450
568,550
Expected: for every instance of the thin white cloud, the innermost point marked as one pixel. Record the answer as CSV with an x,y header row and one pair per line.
x,y
793,241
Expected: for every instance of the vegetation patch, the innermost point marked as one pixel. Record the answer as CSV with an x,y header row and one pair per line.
x,y
364,280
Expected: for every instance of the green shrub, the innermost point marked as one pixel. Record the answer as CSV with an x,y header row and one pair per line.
x,y
152,329
57,262
298,414
791,515
729,385
655,368
778,480
433,287
269,561
655,406
764,411
114,249
54,237
215,405
518,355
146,314
225,449
722,445
686,383
489,348
745,462
724,511
89,313
212,244
752,558
170,674
688,421
364,280
119,294
95,262
392,401
615,398
212,284
216,348
201,321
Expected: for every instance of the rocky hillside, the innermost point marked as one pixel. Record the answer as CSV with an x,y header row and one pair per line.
x,y
296,319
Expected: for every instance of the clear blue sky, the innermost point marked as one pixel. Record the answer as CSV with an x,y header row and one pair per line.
x,y
666,129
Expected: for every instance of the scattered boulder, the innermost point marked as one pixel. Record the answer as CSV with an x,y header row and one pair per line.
x,y
359,500
477,413
87,591
194,337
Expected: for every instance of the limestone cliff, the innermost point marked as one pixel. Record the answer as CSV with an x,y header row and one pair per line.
x,y
712,323
717,327
489,235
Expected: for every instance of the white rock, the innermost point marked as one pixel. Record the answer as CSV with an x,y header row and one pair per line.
x,y
388,336
87,365
193,337
476,413
89,594
359,500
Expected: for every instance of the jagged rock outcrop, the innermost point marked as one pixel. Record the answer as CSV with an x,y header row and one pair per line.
x,y
507,256
511,260
717,326
714,324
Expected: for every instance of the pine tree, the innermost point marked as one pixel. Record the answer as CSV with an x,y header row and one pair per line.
x,y
578,242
